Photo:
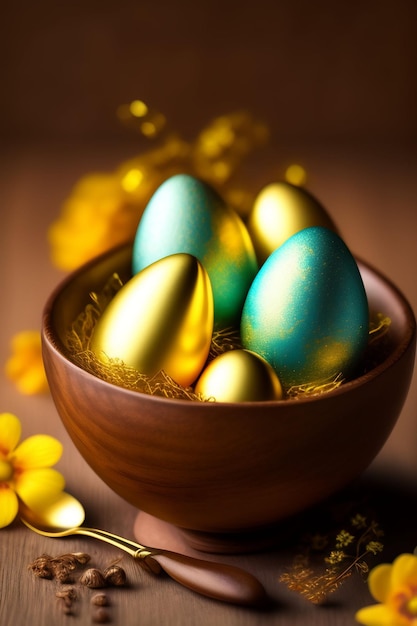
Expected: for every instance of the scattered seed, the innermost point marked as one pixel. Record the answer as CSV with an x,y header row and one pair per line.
x,y
59,567
115,575
41,567
99,599
67,594
67,597
93,578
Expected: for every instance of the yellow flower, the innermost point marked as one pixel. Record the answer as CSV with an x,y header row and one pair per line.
x,y
26,473
395,588
25,366
96,216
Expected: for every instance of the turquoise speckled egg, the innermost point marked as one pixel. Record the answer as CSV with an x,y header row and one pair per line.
x,y
187,215
306,312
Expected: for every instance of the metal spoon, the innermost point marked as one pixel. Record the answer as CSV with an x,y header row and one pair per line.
x,y
215,580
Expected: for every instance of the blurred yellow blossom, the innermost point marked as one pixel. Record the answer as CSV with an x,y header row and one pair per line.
x,y
394,586
26,474
25,366
104,209
221,147
296,175
97,216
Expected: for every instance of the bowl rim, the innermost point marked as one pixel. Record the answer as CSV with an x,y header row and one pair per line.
x,y
48,335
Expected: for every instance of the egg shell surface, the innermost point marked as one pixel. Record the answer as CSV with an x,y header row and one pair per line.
x,y
280,210
239,376
306,312
161,319
187,215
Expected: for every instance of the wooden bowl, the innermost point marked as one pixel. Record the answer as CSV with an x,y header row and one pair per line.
x,y
218,470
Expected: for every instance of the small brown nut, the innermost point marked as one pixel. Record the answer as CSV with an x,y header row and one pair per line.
x,y
100,599
115,575
100,616
93,578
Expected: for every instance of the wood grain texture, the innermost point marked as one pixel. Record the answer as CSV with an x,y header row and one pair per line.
x,y
361,189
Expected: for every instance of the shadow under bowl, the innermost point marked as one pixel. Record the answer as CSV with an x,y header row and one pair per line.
x,y
225,469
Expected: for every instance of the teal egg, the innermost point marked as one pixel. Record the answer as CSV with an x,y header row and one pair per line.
x,y
187,215
306,312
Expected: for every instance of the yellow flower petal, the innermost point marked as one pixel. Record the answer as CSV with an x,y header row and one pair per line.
x,y
10,431
26,341
25,365
32,382
404,571
8,506
379,581
39,486
378,615
37,451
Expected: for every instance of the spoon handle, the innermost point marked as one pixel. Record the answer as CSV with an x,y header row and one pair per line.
x,y
215,580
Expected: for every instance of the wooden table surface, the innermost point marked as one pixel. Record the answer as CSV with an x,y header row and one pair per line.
x,y
372,195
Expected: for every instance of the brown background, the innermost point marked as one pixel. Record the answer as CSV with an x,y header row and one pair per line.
x,y
314,70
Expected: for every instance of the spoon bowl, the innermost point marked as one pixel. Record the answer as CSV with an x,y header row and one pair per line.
x,y
59,515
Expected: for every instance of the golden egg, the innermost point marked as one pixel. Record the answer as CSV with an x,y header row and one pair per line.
x,y
161,319
239,376
280,210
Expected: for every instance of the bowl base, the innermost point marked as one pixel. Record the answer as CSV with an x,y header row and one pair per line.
x,y
157,533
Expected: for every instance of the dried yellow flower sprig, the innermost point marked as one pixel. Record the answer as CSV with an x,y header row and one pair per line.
x,y
347,554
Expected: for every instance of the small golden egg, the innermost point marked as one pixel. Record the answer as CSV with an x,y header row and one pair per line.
x,y
280,210
239,376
